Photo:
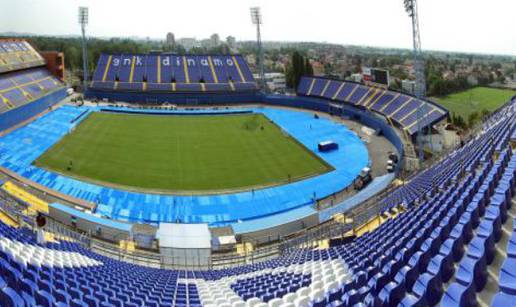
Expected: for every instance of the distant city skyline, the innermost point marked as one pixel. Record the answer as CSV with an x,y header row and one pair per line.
x,y
461,25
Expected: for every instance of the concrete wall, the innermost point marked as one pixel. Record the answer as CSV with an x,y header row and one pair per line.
x,y
175,98
108,233
274,233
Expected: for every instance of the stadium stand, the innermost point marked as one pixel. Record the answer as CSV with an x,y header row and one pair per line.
x,y
172,73
21,87
400,108
26,87
18,54
437,250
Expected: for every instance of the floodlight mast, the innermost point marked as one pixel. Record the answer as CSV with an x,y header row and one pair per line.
x,y
83,21
256,18
419,72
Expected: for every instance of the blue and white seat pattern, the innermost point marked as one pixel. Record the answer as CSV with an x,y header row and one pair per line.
x,y
437,251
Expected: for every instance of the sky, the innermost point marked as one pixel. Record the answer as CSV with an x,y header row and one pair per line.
x,y
479,26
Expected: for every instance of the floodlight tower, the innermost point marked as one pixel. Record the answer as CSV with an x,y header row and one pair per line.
x,y
256,18
419,71
83,21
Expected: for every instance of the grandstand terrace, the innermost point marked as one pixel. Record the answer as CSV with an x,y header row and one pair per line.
x,y
18,54
26,86
402,109
21,87
167,73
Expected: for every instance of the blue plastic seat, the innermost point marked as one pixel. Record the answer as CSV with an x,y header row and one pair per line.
x,y
485,245
420,260
350,298
472,213
392,294
9,298
464,227
28,286
429,287
372,301
91,300
500,202
11,275
61,296
43,298
377,282
78,303
511,246
494,215
507,282
459,295
472,271
407,276
75,293
503,300
453,247
391,268
413,301
441,265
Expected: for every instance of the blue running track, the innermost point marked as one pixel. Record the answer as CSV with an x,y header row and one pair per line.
x,y
21,147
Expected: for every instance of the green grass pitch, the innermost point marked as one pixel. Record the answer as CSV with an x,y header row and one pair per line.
x,y
181,153
475,99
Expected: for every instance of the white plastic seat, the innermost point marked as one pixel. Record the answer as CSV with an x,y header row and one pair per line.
x,y
330,286
233,299
304,291
221,301
289,297
317,285
253,301
275,302
302,301
316,295
328,279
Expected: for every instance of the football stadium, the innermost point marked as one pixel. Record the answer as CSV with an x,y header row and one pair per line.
x,y
179,180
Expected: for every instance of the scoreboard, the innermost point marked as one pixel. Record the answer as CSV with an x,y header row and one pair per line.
x,y
375,75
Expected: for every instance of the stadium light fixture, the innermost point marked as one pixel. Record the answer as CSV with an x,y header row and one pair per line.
x,y
83,16
256,19
256,15
411,8
83,21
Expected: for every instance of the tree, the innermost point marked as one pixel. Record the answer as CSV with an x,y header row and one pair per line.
x,y
472,118
309,70
485,113
299,66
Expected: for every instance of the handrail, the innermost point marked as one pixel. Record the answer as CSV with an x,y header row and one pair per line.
x,y
16,207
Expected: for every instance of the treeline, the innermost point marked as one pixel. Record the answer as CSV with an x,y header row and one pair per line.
x,y
438,85
72,48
